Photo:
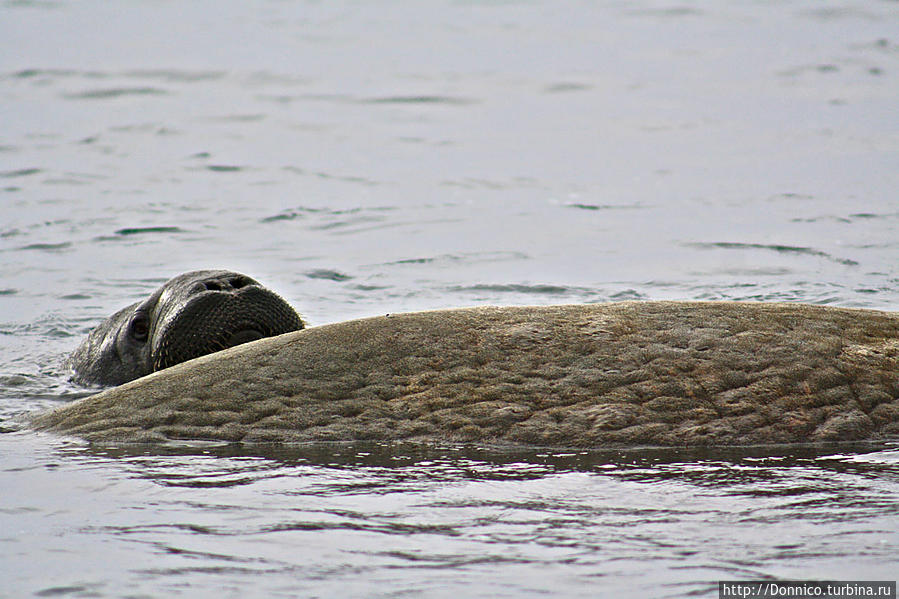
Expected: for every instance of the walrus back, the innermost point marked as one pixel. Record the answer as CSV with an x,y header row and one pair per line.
x,y
609,375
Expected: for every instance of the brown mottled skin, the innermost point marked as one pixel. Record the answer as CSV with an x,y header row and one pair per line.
x,y
608,375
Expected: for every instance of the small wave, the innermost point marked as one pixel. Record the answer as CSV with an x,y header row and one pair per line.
x,y
303,211
175,75
565,87
116,92
224,168
376,100
22,172
595,207
281,216
849,219
330,218
479,183
346,178
673,12
50,247
872,215
468,257
748,272
413,261
627,295
583,294
332,177
329,275
519,288
238,118
423,99
141,230
781,249
837,13
30,73
171,75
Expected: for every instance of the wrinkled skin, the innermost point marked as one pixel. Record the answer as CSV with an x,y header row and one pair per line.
x,y
595,376
191,315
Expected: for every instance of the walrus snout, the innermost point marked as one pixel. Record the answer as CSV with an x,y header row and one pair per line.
x,y
225,283
215,319
193,314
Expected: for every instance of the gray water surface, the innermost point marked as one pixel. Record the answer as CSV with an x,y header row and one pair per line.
x,y
364,158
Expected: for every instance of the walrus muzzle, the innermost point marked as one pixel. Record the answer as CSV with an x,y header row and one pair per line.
x,y
212,321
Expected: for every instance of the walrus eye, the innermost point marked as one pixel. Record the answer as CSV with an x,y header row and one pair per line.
x,y
139,327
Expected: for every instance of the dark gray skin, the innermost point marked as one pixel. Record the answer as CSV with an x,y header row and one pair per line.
x,y
191,315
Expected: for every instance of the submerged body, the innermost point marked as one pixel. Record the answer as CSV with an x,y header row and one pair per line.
x,y
191,315
621,374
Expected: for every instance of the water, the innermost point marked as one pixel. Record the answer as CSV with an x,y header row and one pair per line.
x,y
366,158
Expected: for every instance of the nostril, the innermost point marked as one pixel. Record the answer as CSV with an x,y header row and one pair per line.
x,y
225,283
238,282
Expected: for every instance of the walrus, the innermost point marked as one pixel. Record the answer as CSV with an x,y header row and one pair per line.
x,y
193,314
625,374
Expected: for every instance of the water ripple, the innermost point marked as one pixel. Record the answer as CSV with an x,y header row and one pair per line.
x,y
116,92
329,275
47,247
520,288
782,249
141,230
468,257
423,99
22,172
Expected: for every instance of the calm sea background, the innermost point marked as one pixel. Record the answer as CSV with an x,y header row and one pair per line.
x,y
362,158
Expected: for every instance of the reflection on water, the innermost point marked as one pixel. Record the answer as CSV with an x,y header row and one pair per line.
x,y
856,458
345,518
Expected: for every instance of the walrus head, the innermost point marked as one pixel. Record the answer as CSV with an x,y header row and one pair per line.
x,y
191,315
